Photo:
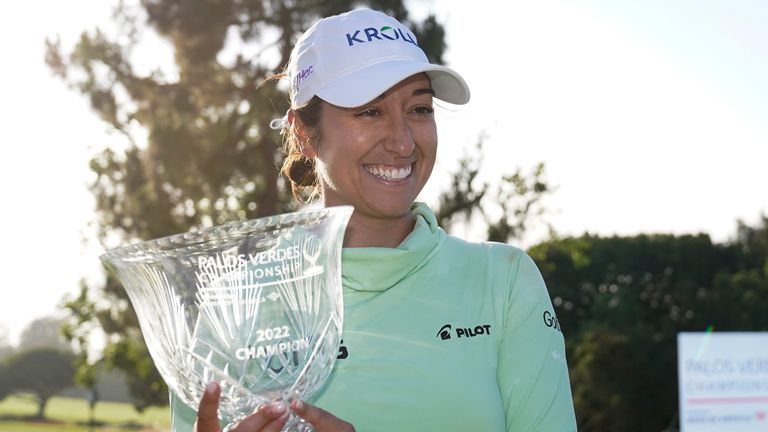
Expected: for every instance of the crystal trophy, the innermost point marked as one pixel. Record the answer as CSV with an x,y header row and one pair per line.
x,y
254,305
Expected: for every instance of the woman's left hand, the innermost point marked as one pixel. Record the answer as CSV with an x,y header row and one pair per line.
x,y
321,420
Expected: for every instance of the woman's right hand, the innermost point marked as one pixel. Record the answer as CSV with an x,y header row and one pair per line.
x,y
270,418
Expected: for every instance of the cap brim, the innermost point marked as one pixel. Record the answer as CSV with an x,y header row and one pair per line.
x,y
367,83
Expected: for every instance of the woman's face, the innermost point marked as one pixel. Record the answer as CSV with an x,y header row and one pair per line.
x,y
378,157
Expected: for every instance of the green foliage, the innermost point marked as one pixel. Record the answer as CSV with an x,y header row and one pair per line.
x,y
6,349
519,198
752,244
199,150
5,382
507,208
43,372
621,302
145,386
464,196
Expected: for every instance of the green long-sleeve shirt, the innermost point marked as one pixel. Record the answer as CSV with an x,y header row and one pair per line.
x,y
445,335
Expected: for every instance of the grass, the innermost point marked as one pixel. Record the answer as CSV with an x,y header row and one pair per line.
x,y
72,415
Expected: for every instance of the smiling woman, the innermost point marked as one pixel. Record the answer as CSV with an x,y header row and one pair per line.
x,y
377,157
434,327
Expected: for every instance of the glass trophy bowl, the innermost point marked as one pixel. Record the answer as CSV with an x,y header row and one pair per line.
x,y
254,305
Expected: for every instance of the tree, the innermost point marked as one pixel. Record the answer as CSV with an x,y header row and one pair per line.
x,y
44,333
621,302
738,298
208,156
41,371
507,208
752,244
5,385
6,349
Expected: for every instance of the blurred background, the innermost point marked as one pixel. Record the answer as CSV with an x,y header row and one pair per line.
x,y
621,143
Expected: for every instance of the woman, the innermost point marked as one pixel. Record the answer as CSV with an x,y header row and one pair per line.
x,y
439,334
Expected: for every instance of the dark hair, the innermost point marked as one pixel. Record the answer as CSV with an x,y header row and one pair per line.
x,y
299,169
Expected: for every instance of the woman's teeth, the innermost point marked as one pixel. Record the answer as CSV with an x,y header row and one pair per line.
x,y
389,173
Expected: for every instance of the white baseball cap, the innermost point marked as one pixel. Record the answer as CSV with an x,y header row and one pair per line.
x,y
350,59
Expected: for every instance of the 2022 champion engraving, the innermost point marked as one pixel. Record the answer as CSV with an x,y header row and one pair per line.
x,y
256,306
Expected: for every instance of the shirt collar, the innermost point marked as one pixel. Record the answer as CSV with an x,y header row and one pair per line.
x,y
380,268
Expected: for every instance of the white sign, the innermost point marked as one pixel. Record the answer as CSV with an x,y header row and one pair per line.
x,y
723,382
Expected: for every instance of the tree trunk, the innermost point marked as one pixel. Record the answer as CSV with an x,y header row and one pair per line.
x,y
268,204
42,401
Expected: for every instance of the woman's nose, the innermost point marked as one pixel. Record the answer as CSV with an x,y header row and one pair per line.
x,y
400,137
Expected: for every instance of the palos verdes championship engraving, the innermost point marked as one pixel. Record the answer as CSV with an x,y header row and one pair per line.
x,y
254,305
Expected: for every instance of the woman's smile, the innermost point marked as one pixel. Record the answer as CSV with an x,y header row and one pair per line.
x,y
388,173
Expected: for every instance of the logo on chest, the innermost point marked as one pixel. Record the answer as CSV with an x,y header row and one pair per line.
x,y
448,331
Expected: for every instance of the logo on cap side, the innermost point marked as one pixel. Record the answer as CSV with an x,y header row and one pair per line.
x,y
302,75
386,32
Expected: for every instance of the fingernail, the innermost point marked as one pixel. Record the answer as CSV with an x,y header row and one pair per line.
x,y
298,404
210,389
278,408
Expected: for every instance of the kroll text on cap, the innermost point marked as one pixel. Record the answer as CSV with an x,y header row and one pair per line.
x,y
350,59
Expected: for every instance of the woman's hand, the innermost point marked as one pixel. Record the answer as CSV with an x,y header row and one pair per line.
x,y
320,419
270,418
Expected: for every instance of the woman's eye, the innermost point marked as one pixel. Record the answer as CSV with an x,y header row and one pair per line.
x,y
424,110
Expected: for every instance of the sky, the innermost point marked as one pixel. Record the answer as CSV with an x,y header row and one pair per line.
x,y
651,117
